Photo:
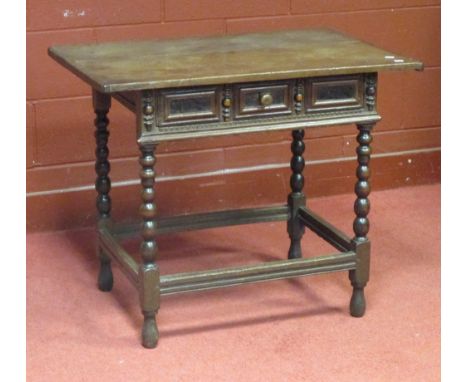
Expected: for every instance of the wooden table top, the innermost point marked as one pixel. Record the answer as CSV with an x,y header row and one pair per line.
x,y
138,65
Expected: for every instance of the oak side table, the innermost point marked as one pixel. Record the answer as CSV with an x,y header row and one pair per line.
x,y
216,86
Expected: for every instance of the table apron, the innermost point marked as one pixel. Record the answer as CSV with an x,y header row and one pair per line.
x,y
261,126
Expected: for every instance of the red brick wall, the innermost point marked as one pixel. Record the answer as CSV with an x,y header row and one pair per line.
x,y
60,168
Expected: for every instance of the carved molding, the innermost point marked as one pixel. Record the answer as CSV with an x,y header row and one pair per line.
x,y
148,110
299,97
371,91
227,103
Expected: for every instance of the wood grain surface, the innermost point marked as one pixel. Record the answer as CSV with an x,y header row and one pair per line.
x,y
130,65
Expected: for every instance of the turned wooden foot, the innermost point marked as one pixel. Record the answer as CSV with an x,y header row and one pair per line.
x,y
105,277
295,251
149,332
357,306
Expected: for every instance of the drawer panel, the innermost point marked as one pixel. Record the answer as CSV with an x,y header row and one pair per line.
x,y
256,106
331,93
256,100
189,106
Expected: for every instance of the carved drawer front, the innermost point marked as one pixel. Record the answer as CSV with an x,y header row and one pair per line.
x,y
185,106
327,93
262,99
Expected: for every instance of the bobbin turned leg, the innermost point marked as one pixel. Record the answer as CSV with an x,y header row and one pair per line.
x,y
360,275
101,103
148,270
296,198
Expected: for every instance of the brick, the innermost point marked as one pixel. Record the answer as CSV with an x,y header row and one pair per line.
x,y
213,9
412,32
226,141
258,154
421,94
390,106
408,139
186,163
419,31
60,211
323,148
157,31
387,172
329,131
30,135
66,14
65,176
65,131
393,141
324,6
254,189
65,135
407,168
45,77
280,153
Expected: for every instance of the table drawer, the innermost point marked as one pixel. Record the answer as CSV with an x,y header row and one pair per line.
x,y
244,107
327,93
263,99
187,106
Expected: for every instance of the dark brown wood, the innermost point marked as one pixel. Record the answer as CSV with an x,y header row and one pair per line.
x,y
145,106
222,86
362,188
337,93
371,91
217,278
101,105
359,278
325,230
257,106
148,271
208,220
227,103
114,250
360,275
263,99
299,95
140,65
296,198
253,124
188,106
273,270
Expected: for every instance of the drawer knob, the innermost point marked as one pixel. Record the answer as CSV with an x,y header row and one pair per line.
x,y
227,102
148,109
266,99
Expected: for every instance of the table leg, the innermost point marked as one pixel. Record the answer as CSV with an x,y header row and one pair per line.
x,y
296,198
101,103
360,275
148,272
